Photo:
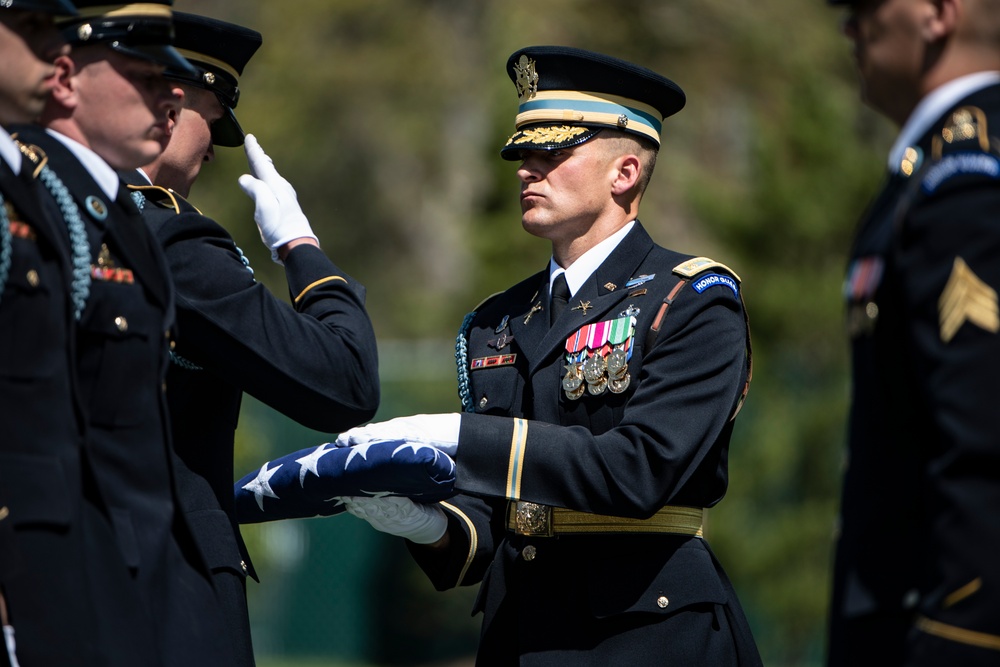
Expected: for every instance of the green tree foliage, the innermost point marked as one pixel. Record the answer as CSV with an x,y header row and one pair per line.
x,y
388,115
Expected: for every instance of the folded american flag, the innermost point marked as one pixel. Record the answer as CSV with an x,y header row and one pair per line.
x,y
311,481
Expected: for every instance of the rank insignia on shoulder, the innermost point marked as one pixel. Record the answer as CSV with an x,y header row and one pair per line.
x,y
693,267
480,363
966,124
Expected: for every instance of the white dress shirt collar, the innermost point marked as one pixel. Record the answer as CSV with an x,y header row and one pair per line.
x,y
102,172
582,268
9,152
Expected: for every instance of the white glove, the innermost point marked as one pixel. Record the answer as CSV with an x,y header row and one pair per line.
x,y
439,431
278,215
417,522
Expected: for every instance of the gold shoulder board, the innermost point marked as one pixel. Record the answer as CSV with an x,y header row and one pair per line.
x,y
693,267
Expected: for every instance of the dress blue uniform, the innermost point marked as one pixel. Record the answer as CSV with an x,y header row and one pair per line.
x,y
314,360
66,591
61,573
916,570
590,448
121,357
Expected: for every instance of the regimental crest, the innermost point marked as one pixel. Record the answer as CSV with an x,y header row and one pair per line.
x,y
527,78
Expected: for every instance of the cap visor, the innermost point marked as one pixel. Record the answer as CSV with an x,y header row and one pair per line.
x,y
158,53
227,131
546,138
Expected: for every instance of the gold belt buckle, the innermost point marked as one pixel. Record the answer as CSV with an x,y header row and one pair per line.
x,y
533,519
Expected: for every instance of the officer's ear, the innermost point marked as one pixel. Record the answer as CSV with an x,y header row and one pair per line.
x,y
629,168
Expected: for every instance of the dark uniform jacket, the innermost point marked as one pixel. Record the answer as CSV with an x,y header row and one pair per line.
x,y
601,599
917,573
66,586
122,355
314,361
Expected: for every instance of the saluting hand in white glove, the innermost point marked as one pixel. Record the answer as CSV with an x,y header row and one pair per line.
x,y
278,215
439,431
417,522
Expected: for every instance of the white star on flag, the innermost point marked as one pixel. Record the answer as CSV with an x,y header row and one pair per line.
x,y
260,485
310,462
360,450
417,446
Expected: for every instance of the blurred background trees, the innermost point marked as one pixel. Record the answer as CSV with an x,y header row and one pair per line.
x,y
388,115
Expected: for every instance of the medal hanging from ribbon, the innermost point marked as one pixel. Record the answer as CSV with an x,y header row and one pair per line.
x,y
597,358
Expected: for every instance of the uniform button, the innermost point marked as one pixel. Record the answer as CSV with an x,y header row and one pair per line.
x,y
33,279
4,513
529,553
166,334
173,344
121,323
243,564
482,402
163,387
662,602
871,310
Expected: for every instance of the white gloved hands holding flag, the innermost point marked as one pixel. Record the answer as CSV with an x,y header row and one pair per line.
x,y
417,522
278,215
439,431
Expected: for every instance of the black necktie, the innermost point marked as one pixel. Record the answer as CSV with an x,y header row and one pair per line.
x,y
560,296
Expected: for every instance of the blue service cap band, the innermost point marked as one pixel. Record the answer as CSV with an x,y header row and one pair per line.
x,y
574,107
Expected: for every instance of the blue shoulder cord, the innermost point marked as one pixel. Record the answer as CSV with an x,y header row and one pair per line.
x,y
462,361
80,247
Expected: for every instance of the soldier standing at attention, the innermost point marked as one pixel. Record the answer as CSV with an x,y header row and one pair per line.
x,y
109,109
917,563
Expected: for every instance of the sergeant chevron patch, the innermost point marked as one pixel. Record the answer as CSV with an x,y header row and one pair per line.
x,y
967,298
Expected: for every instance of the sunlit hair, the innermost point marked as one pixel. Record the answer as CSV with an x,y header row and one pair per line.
x,y
624,143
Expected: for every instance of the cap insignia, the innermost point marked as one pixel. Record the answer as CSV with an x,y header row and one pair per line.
x,y
527,77
209,78
84,32
548,135
623,121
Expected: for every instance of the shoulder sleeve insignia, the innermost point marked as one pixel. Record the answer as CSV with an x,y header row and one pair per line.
x,y
165,198
693,267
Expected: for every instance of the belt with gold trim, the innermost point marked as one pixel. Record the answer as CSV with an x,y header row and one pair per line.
x,y
536,520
